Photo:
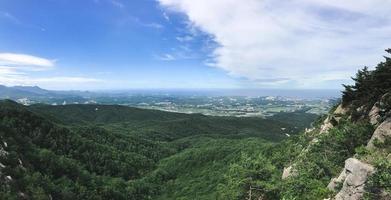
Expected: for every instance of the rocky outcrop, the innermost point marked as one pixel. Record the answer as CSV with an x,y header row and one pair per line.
x,y
336,183
340,110
333,119
380,110
381,133
354,176
289,171
3,153
374,115
352,180
330,121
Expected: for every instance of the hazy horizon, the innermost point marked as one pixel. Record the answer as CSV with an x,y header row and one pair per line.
x,y
247,92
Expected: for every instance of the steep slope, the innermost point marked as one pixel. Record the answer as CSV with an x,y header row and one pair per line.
x,y
117,152
41,160
344,155
355,137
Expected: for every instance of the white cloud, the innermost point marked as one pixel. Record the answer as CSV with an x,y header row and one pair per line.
x,y
303,42
117,4
9,17
153,25
17,69
166,17
185,38
12,77
25,61
67,80
166,57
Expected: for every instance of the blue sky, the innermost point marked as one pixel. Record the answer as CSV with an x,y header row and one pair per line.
x,y
118,44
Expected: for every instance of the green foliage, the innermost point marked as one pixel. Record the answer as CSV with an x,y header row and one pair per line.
x,y
369,86
116,152
167,126
380,181
324,159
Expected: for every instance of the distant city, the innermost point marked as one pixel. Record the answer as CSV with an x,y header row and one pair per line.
x,y
208,102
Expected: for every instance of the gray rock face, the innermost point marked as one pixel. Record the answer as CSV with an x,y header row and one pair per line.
x,y
333,119
3,152
335,183
352,178
381,133
374,115
288,171
327,125
380,110
341,110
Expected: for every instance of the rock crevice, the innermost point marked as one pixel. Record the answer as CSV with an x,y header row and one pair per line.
x,y
352,180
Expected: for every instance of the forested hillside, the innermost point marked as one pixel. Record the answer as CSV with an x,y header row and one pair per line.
x,y
345,155
117,152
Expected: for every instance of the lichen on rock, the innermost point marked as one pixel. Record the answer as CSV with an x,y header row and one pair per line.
x,y
381,133
353,179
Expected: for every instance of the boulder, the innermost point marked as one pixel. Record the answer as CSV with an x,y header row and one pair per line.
x,y
380,110
385,100
374,115
333,119
352,180
335,183
381,133
340,110
288,171
327,125
3,152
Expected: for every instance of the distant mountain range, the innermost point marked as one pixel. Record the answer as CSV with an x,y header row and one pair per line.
x,y
35,92
22,92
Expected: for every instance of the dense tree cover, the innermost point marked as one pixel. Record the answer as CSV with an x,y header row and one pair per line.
x,y
324,159
46,161
117,152
316,165
80,152
369,85
89,162
167,126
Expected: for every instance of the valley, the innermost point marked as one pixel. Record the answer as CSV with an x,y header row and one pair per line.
x,y
148,152
106,151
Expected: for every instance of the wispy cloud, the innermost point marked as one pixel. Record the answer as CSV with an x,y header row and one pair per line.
x,y
185,38
28,61
67,80
16,69
8,16
16,21
165,57
152,25
132,19
182,52
11,78
117,3
166,17
291,40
